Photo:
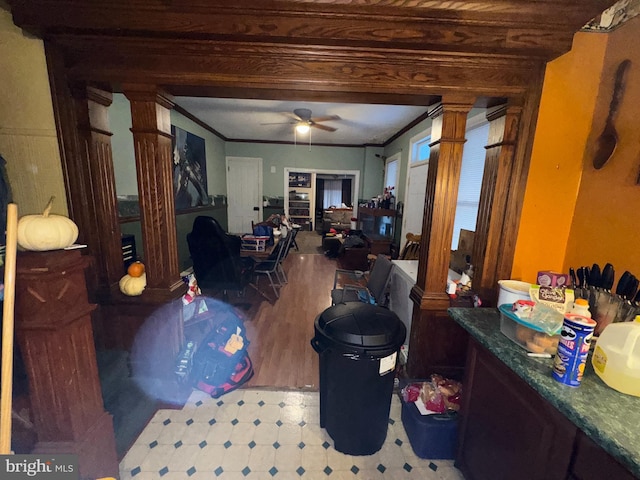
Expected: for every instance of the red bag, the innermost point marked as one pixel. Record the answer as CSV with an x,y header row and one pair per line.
x,y
243,371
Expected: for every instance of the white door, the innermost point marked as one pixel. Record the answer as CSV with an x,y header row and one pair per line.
x,y
244,193
414,203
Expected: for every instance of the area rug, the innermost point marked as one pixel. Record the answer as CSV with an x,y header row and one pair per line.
x,y
308,243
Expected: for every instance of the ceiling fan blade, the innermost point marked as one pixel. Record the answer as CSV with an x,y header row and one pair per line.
x,y
323,127
279,123
325,118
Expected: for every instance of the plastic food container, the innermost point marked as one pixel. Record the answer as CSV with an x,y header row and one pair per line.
x,y
528,336
512,291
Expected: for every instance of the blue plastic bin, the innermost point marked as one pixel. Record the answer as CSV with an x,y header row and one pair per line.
x,y
431,436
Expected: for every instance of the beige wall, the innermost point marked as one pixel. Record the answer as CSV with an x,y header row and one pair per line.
x,y
28,139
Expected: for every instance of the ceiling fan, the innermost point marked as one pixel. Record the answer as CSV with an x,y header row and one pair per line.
x,y
302,119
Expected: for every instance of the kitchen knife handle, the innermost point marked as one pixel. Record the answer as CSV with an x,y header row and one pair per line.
x,y
608,275
636,299
581,277
633,287
595,277
623,283
572,276
587,277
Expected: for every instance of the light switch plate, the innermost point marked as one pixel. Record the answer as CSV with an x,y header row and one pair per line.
x,y
273,169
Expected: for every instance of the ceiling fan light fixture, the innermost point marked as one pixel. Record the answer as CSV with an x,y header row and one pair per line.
x,y
302,128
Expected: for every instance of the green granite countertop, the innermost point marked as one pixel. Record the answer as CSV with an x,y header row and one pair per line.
x,y
610,418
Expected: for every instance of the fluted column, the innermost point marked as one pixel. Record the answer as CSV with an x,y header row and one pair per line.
x,y
92,112
435,339
151,128
503,132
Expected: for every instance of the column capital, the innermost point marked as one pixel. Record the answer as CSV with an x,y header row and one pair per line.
x,y
148,93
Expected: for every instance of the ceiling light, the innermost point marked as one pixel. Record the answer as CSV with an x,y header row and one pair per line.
x,y
302,128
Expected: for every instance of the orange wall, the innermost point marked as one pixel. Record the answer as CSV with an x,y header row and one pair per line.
x,y
573,214
606,224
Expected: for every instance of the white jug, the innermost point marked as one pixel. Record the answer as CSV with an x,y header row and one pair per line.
x,y
616,358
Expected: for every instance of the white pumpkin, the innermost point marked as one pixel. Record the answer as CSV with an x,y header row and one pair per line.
x,y
45,232
133,286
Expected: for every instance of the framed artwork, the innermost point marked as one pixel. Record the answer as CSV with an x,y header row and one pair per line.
x,y
189,170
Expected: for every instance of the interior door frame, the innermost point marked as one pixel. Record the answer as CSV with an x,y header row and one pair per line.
x,y
314,171
414,139
259,180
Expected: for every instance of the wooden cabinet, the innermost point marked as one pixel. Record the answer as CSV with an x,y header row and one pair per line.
x,y
590,462
507,427
508,430
377,225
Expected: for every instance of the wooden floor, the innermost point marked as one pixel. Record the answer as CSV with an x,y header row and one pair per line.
x,y
280,332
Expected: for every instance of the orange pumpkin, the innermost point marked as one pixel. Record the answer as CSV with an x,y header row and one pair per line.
x,y
136,269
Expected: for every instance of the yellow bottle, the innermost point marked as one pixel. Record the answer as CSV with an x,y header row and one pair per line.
x,y
616,358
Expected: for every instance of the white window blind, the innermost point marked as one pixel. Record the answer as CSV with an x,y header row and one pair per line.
x,y
332,193
470,181
391,173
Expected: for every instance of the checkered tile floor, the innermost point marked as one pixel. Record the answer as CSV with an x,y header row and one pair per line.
x,y
264,434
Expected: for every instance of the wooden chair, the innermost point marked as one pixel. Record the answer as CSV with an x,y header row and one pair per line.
x,y
411,250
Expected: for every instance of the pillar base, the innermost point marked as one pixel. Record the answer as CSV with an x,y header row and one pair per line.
x,y
96,449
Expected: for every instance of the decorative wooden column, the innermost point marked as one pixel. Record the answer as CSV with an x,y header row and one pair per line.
x,y
53,328
496,180
151,128
92,113
154,339
437,344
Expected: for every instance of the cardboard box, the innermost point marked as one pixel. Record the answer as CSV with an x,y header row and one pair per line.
x,y
548,278
254,243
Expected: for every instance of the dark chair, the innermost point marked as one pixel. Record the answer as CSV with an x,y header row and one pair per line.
x,y
217,264
375,288
272,266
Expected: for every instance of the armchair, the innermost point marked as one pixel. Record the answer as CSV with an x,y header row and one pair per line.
x,y
217,264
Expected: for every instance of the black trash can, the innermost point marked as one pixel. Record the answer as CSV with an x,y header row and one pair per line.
x,y
358,344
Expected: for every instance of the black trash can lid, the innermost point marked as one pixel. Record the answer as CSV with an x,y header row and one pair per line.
x,y
357,324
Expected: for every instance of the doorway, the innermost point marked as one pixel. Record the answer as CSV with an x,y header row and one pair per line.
x,y
317,199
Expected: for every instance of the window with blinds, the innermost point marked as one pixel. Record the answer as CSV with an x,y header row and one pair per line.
x,y
470,181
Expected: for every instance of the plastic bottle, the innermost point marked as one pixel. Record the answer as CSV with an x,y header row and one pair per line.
x,y
616,358
581,307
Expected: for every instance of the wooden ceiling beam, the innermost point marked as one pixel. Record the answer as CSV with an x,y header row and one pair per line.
x,y
281,71
542,29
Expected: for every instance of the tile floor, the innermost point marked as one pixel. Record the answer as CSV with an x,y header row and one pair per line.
x,y
266,434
